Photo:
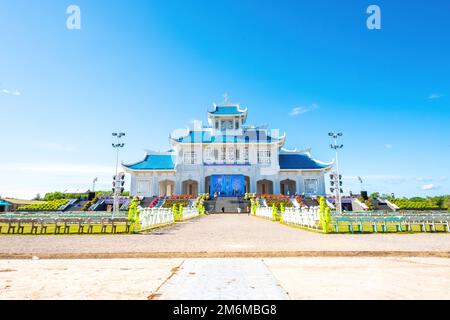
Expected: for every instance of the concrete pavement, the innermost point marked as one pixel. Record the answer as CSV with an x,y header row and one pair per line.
x,y
231,278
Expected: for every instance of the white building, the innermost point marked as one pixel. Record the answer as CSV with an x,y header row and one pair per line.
x,y
228,158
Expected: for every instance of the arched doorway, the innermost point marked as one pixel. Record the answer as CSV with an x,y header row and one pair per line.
x,y
190,187
288,187
264,187
166,188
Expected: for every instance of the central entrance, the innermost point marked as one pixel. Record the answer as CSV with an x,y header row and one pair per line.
x,y
227,185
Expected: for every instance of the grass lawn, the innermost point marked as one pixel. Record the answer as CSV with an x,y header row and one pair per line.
x,y
73,229
392,227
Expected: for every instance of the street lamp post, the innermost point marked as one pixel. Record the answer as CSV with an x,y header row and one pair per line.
x,y
93,184
336,147
117,146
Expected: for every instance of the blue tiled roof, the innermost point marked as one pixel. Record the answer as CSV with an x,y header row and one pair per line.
x,y
207,137
154,162
4,203
299,161
226,110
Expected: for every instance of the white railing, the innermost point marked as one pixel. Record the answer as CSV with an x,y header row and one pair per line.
x,y
264,212
152,217
189,213
330,204
361,204
295,203
391,205
304,217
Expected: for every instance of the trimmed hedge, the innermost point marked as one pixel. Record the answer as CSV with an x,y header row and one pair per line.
x,y
46,206
405,204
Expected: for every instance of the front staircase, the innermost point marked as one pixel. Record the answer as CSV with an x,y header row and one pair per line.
x,y
230,205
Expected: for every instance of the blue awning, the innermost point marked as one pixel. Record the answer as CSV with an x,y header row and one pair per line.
x,y
4,203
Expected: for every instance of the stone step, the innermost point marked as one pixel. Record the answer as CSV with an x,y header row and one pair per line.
x,y
228,204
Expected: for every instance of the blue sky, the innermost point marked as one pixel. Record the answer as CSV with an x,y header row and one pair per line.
x,y
148,67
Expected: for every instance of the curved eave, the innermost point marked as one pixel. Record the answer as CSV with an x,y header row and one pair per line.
x,y
282,140
146,170
325,169
326,165
128,167
242,112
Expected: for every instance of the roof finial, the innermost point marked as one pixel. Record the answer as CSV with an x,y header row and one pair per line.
x,y
226,98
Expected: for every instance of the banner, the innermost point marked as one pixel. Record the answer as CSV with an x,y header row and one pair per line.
x,y
227,185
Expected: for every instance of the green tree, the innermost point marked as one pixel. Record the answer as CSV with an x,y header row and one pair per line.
x,y
54,196
374,195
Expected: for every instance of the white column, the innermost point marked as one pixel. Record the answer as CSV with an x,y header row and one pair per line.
x,y
133,191
276,185
253,184
300,184
178,186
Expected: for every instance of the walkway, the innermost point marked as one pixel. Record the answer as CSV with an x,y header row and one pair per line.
x,y
222,236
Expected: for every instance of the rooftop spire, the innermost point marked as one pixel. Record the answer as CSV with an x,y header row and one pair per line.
x,y
226,99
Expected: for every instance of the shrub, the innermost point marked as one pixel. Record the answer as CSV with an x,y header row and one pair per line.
x,y
88,204
46,206
277,200
180,202
414,204
53,196
367,202
274,212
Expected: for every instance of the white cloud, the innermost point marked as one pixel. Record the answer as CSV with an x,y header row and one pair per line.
x,y
56,147
422,179
434,96
13,93
429,187
388,146
377,177
26,179
301,110
59,168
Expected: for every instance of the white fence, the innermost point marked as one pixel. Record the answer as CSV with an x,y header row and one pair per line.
x,y
304,217
264,212
189,213
153,217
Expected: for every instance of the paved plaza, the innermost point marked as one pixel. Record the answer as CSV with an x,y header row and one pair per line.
x,y
228,235
227,278
226,257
